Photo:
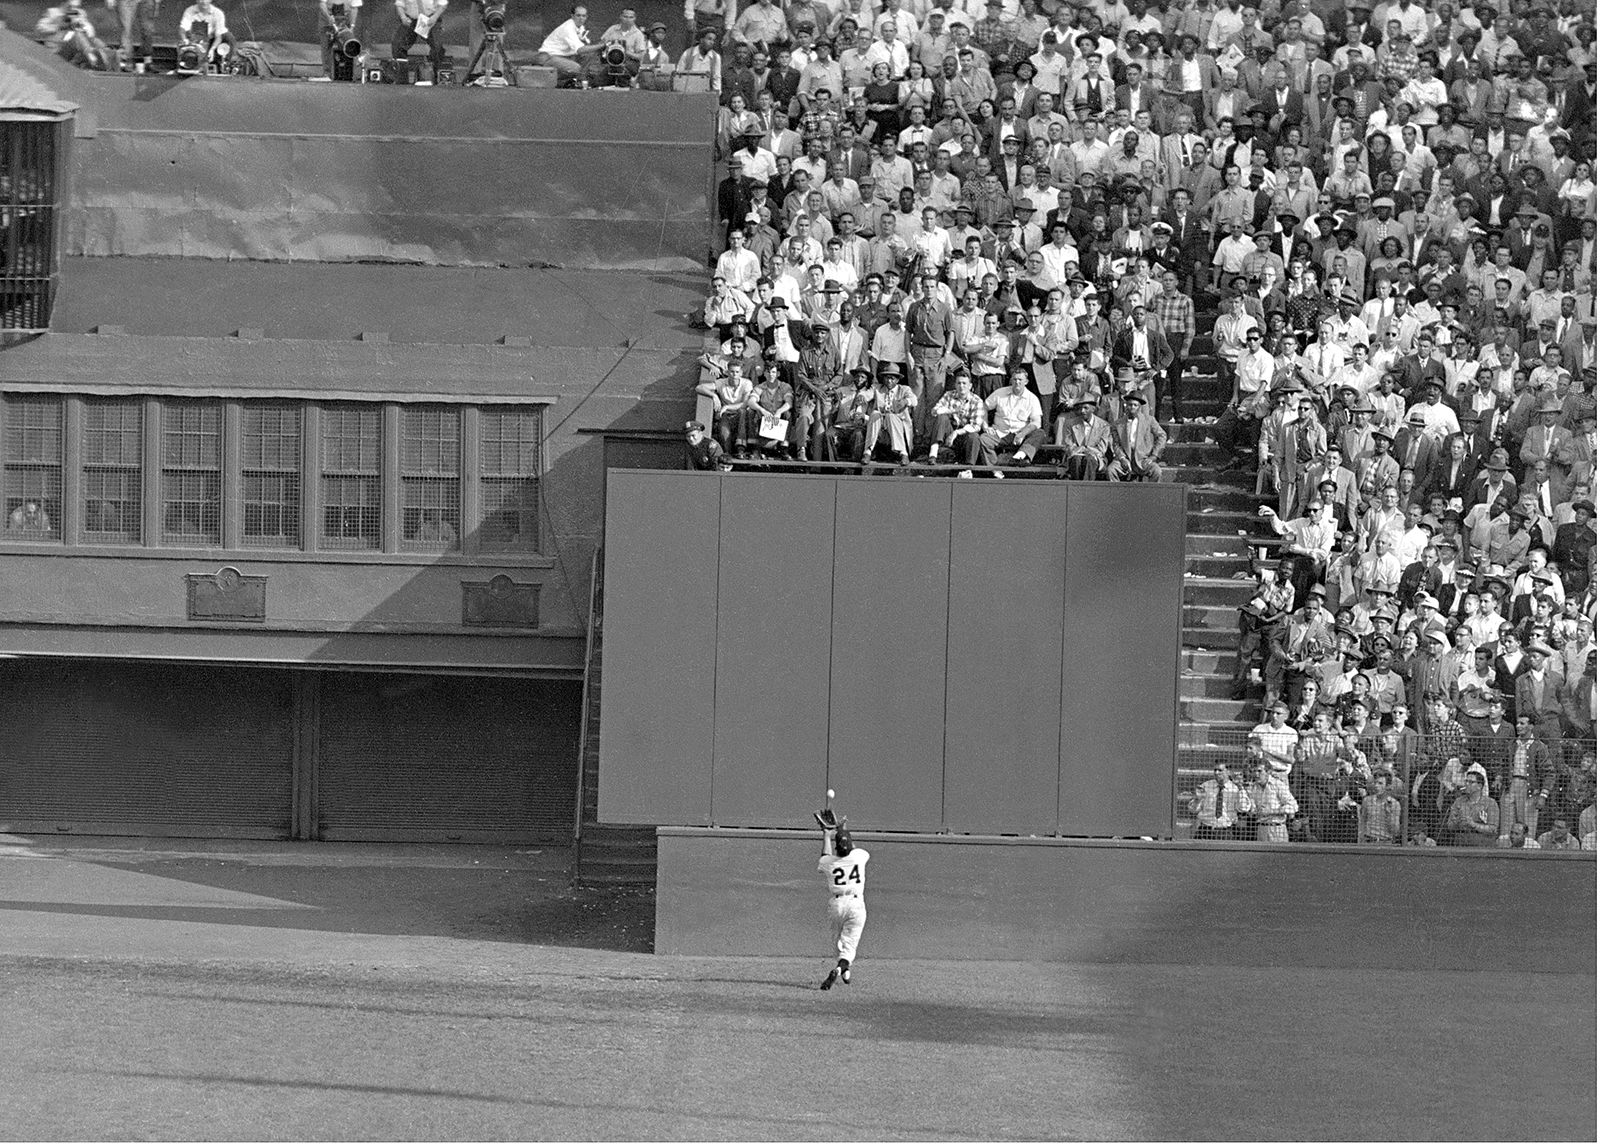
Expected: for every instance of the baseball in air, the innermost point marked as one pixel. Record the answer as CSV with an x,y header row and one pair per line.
x,y
830,793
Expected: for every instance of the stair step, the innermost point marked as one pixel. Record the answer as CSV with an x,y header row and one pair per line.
x,y
1217,591
1194,734
1219,617
1209,662
618,876
1206,686
1223,497
1210,544
1190,431
1208,477
1198,450
1216,639
1218,568
1212,708
1232,522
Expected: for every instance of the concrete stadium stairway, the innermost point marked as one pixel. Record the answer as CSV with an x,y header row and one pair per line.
x,y
604,853
1224,536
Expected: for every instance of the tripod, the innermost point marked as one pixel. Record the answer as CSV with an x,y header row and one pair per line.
x,y
489,66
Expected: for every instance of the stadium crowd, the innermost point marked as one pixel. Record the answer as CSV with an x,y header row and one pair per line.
x,y
989,233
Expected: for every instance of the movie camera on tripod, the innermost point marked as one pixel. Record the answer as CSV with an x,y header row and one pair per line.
x,y
344,54
489,66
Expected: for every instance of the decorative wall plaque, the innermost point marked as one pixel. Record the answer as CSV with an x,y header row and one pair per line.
x,y
499,603
227,594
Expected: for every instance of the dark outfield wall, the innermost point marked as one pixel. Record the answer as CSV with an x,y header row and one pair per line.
x,y
758,893
969,656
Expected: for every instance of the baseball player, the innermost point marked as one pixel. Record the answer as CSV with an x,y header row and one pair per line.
x,y
845,866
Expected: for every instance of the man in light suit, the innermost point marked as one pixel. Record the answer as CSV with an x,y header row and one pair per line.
x,y
1548,441
1415,448
1342,496
1539,692
1578,350
1086,438
1377,470
1137,439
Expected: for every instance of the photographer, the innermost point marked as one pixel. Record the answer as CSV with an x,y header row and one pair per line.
x,y
420,20
567,48
622,48
337,18
69,29
204,25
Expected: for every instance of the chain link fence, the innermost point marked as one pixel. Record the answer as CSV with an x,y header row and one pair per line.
x,y
1383,788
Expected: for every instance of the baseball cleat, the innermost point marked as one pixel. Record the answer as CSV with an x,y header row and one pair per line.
x,y
827,983
844,976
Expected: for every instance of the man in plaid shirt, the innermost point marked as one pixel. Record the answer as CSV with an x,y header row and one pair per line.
x,y
958,420
1175,311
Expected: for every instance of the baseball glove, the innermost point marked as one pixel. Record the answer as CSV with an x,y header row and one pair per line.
x,y
826,819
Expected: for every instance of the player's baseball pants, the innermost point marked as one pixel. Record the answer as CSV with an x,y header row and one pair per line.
x,y
848,915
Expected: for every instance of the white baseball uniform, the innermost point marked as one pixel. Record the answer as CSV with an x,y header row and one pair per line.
x,y
847,909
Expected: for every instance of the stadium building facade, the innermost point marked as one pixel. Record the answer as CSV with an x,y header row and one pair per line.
x,y
304,413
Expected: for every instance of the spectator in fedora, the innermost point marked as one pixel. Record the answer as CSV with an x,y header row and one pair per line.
x,y
1084,437
1137,439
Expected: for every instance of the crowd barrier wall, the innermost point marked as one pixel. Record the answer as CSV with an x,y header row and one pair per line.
x,y
744,893
947,655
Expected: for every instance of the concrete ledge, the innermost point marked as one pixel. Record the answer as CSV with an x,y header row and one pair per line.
x,y
757,893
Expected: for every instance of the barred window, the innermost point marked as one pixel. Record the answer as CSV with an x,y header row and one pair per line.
x,y
270,477
352,493
30,189
509,466
430,478
191,473
113,453
32,481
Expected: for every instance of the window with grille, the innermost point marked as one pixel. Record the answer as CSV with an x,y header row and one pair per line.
x,y
509,438
352,490
30,183
191,473
113,453
430,477
32,481
270,476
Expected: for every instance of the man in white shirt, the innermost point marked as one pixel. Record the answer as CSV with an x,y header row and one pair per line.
x,y
738,265
888,49
1057,255
561,49
1015,421
214,26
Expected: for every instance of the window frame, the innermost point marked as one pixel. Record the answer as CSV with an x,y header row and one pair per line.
x,y
533,473
127,447
133,474
289,470
14,428
360,472
431,468
192,470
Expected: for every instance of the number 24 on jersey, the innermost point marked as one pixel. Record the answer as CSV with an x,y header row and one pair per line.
x,y
841,877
